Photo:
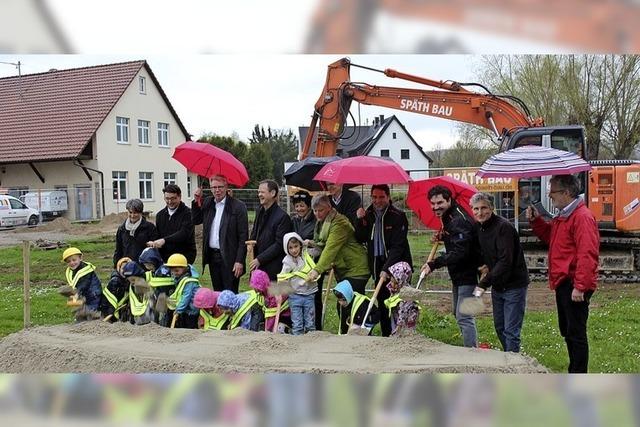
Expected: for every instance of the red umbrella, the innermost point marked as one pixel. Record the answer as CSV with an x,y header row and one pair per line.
x,y
208,160
419,203
363,170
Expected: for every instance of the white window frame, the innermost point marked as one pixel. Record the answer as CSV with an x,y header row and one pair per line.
x,y
142,84
119,181
169,178
408,154
143,132
122,130
163,135
189,183
145,185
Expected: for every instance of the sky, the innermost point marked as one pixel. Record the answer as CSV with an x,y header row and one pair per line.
x,y
230,93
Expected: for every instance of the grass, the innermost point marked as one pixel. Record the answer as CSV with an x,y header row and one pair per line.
x,y
614,324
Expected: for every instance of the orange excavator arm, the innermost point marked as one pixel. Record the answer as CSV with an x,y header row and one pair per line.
x,y
449,101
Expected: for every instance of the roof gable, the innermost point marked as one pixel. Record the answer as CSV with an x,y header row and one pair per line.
x,y
53,115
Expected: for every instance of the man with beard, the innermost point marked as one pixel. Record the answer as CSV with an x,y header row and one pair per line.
x,y
462,257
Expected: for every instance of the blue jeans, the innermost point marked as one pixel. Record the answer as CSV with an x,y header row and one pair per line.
x,y
508,314
303,313
466,323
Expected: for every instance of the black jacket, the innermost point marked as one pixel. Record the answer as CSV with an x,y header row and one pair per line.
x,y
304,226
177,232
234,230
503,254
350,202
462,257
268,230
132,246
395,227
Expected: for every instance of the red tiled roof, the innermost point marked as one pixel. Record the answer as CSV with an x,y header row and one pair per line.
x,y
59,111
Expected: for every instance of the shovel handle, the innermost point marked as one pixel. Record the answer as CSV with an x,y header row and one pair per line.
x,y
107,318
434,248
275,325
326,295
373,298
174,320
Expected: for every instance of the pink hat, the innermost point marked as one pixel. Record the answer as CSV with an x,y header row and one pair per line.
x,y
205,298
260,281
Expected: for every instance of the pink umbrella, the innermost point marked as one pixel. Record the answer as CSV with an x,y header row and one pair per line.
x,y
418,202
532,161
208,160
363,170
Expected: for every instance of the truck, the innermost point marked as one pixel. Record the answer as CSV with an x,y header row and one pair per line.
x,y
611,189
51,204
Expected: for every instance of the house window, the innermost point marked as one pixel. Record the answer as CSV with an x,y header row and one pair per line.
x,y
122,130
384,153
169,178
404,154
143,132
393,135
119,185
145,181
163,134
188,186
142,84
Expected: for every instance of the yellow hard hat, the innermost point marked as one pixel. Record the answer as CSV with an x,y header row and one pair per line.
x,y
177,260
122,261
70,251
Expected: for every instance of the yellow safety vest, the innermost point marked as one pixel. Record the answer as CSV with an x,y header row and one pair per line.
x,y
117,305
392,302
271,312
136,306
309,265
176,296
244,308
157,282
358,299
73,280
211,322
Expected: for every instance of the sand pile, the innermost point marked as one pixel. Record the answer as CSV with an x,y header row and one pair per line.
x,y
98,346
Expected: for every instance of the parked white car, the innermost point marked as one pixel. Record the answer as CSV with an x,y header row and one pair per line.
x,y
13,212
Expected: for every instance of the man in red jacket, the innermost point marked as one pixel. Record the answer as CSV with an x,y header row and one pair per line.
x,y
574,246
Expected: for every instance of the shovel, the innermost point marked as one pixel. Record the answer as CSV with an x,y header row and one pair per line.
x,y
174,320
363,330
472,306
278,290
432,255
326,295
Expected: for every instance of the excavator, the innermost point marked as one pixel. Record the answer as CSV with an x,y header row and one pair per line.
x,y
611,189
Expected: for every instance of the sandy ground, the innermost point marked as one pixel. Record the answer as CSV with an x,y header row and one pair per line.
x,y
101,347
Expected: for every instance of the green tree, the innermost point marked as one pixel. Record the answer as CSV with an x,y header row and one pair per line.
x,y
282,146
259,164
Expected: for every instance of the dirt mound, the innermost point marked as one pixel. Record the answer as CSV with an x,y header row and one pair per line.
x,y
61,224
113,220
120,347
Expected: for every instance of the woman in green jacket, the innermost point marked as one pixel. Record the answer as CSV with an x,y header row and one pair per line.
x,y
334,237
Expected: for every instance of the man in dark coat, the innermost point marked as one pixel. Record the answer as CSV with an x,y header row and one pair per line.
x,y
507,276
175,227
346,202
383,228
462,257
225,229
269,228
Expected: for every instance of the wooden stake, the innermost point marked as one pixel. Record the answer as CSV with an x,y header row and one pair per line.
x,y
26,255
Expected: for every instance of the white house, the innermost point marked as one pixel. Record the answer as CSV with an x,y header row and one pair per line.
x,y
386,137
105,134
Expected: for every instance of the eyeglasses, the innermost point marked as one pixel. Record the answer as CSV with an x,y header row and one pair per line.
x,y
217,187
299,197
556,191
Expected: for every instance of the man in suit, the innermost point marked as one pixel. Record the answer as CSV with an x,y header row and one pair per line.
x,y
175,227
225,227
269,228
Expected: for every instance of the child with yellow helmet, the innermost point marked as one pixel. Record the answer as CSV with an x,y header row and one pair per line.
x,y
181,300
83,281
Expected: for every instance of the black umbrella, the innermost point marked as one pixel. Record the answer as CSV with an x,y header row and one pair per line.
x,y
301,173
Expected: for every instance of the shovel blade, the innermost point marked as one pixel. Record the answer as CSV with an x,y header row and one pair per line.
x,y
472,306
280,288
359,330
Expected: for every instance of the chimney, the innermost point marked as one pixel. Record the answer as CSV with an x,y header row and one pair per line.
x,y
381,119
375,122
